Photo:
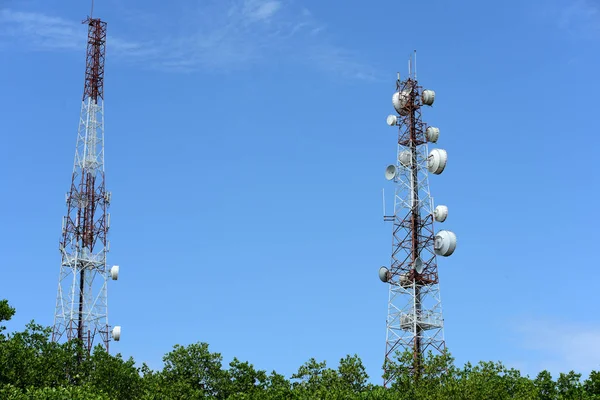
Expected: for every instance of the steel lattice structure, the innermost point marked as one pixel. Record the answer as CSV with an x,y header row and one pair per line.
x,y
415,321
82,302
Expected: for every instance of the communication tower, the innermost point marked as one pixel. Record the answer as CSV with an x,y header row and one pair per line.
x,y
414,320
82,300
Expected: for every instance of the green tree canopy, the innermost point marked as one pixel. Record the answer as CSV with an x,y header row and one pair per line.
x,y
34,367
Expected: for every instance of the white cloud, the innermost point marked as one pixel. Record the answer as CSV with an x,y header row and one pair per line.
x,y
580,15
39,31
46,33
580,19
211,35
560,345
261,10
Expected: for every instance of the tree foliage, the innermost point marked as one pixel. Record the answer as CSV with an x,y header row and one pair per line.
x,y
34,367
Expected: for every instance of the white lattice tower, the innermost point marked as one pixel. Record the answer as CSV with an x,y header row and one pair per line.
x,y
415,321
82,300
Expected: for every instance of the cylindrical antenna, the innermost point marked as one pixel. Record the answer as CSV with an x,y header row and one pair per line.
x,y
92,11
415,65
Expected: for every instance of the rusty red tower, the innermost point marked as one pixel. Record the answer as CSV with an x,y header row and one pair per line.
x,y
82,301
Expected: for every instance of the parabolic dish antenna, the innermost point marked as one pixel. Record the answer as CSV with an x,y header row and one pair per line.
x,y
440,213
428,97
390,172
383,274
444,243
418,265
432,134
405,158
436,162
114,272
400,101
391,120
116,333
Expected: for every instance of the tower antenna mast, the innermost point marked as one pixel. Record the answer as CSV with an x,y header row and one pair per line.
x,y
414,320
82,301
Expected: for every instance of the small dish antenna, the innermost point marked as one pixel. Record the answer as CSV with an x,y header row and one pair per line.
x,y
384,274
436,162
432,134
114,272
391,172
405,158
116,333
444,243
418,265
428,97
440,213
391,120
400,101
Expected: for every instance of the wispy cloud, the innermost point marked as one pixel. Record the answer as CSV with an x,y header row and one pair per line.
x,y
41,32
580,17
260,10
211,35
560,345
38,31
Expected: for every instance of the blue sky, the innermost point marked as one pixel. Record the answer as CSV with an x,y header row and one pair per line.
x,y
245,148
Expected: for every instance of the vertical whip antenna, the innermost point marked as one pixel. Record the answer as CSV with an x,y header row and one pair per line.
x,y
415,65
